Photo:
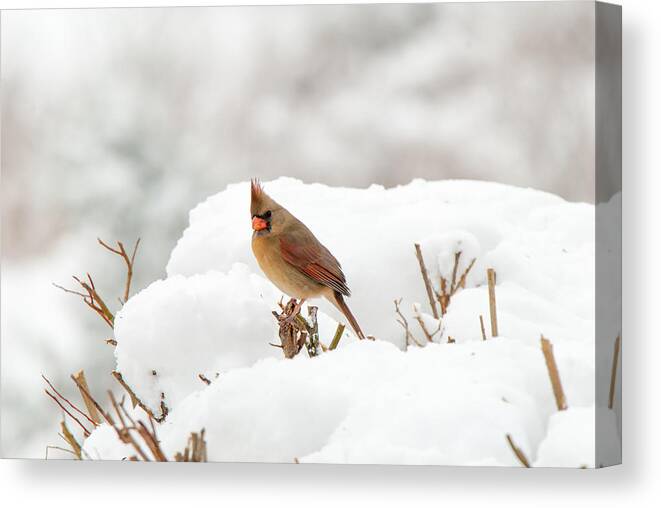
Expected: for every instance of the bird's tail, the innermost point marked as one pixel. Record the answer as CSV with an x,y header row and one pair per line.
x,y
344,308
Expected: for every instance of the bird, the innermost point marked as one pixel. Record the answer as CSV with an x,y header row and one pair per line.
x,y
293,259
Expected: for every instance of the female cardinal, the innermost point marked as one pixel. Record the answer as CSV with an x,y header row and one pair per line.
x,y
292,258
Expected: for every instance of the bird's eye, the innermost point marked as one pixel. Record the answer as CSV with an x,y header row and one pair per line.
x,y
267,215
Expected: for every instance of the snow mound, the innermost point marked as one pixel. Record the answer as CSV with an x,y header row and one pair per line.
x,y
181,327
541,247
375,401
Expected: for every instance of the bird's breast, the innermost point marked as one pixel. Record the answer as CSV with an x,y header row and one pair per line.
x,y
286,277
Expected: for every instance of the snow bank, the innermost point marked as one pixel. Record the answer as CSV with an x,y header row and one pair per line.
x,y
369,401
541,247
181,327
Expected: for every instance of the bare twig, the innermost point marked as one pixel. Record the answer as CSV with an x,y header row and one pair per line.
x,y
137,434
73,406
336,338
89,294
152,442
457,255
195,451
135,400
484,333
462,279
84,390
53,447
616,356
491,279
68,437
124,432
91,298
444,296
405,324
130,261
451,340
207,381
446,293
425,278
559,394
91,408
517,451
428,335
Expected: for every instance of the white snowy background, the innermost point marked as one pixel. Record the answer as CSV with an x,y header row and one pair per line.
x,y
118,122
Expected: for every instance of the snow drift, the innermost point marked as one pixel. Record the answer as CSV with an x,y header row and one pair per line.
x,y
375,402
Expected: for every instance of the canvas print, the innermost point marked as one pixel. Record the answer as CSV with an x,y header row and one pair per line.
x,y
347,234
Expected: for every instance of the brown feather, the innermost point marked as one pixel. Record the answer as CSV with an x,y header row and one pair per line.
x,y
309,256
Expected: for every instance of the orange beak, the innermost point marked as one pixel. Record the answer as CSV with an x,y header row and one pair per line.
x,y
258,223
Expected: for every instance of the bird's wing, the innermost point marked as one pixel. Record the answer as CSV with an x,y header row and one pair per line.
x,y
309,256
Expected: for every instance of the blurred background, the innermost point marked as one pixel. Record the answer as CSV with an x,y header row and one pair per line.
x,y
116,122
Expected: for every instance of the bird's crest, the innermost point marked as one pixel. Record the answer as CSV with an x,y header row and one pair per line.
x,y
255,189
258,198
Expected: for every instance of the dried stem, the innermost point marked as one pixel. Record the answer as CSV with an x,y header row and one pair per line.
x,y
85,431
195,451
130,261
86,393
73,406
68,437
66,450
616,357
135,400
517,451
124,432
484,333
81,381
447,292
91,299
128,430
462,279
405,324
336,338
429,335
444,296
491,279
559,394
457,255
425,278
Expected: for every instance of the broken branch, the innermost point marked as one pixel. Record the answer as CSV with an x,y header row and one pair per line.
x,y
129,261
517,451
405,324
81,382
559,394
484,333
491,280
135,400
336,338
425,278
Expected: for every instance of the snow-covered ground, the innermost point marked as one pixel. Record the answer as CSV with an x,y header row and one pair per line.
x,y
375,401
